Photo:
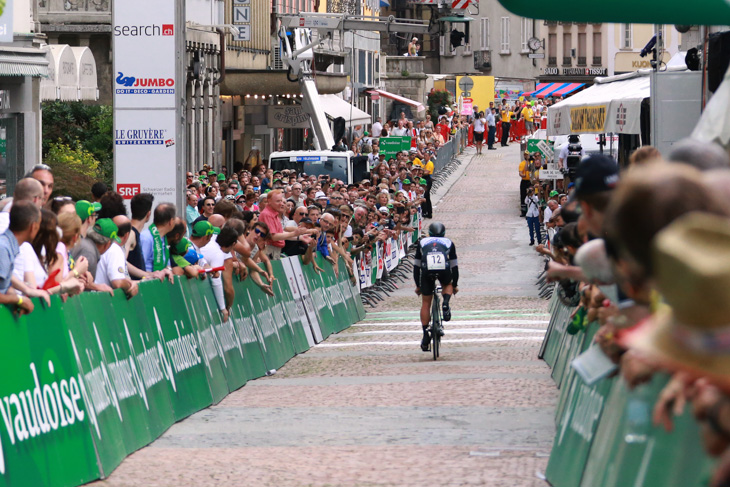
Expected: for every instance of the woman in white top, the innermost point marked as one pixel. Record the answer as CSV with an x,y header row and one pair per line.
x,y
480,123
38,260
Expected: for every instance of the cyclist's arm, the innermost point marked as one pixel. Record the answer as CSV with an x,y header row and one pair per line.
x,y
454,265
417,266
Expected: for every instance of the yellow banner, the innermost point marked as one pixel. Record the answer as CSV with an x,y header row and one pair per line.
x,y
588,120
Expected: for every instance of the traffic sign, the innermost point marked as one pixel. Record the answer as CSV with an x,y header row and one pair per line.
x,y
536,55
466,83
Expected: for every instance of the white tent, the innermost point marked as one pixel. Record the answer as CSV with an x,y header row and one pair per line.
x,y
714,124
334,107
612,105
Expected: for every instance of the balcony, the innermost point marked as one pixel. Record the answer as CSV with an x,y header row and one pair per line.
x,y
74,11
581,61
552,61
567,61
551,22
597,61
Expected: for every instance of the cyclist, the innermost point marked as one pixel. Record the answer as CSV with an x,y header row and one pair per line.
x,y
435,259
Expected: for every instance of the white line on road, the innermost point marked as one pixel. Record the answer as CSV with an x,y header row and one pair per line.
x,y
450,331
461,322
461,340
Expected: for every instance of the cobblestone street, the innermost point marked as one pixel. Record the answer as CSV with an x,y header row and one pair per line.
x,y
368,408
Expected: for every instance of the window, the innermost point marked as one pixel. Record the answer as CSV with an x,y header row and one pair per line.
x,y
467,45
484,33
597,61
567,48
552,49
504,40
526,33
627,36
442,45
582,48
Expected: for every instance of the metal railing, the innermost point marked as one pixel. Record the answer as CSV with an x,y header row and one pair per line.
x,y
69,11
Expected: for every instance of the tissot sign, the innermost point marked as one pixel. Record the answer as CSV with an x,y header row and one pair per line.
x,y
146,98
555,71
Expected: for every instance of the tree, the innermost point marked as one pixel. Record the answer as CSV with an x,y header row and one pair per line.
x,y
437,99
80,138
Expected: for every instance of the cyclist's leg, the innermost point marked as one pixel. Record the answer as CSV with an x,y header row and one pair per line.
x,y
447,289
427,288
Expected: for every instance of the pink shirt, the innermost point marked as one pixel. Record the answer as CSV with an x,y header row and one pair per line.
x,y
273,220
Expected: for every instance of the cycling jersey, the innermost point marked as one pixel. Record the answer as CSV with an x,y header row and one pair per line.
x,y
435,259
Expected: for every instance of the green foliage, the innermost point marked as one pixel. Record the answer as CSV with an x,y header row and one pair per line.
x,y
79,137
436,99
405,73
75,169
2,6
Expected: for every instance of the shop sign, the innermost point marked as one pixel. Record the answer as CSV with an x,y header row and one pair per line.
x,y
287,117
593,71
585,120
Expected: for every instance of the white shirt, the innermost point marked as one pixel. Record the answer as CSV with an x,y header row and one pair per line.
x,y
564,152
112,266
373,160
479,124
399,131
27,261
377,129
548,214
532,205
213,253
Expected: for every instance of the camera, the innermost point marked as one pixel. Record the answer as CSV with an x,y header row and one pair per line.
x,y
574,155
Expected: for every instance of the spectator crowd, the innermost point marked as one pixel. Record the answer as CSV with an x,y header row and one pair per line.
x,y
232,226
644,251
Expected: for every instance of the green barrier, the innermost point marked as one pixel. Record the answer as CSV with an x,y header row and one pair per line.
x,y
91,380
629,450
43,412
557,326
300,290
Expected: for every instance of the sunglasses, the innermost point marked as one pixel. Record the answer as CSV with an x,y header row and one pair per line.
x,y
260,233
301,212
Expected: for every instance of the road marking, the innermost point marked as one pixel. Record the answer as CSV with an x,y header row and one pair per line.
x,y
444,341
461,322
466,331
466,312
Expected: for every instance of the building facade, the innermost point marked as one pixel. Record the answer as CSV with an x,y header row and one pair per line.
x,y
578,52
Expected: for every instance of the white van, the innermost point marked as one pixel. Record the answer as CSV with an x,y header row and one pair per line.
x,y
337,165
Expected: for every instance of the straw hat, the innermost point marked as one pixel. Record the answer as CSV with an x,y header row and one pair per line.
x,y
692,261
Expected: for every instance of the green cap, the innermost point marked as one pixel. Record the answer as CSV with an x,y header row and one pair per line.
x,y
390,206
211,173
406,181
182,246
423,182
553,193
84,209
107,228
221,177
203,228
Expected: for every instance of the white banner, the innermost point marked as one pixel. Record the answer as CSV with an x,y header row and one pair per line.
x,y
144,153
144,54
146,98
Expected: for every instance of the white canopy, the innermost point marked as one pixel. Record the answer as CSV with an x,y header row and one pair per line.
x,y
62,69
714,125
334,107
606,107
88,88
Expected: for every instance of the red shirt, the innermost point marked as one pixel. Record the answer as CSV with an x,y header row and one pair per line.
x,y
273,220
444,129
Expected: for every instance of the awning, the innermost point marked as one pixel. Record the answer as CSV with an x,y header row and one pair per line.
x,y
334,107
568,89
61,83
551,90
540,86
401,99
88,88
608,107
23,61
699,12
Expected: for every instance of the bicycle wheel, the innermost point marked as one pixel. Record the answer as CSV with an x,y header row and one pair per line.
x,y
435,326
